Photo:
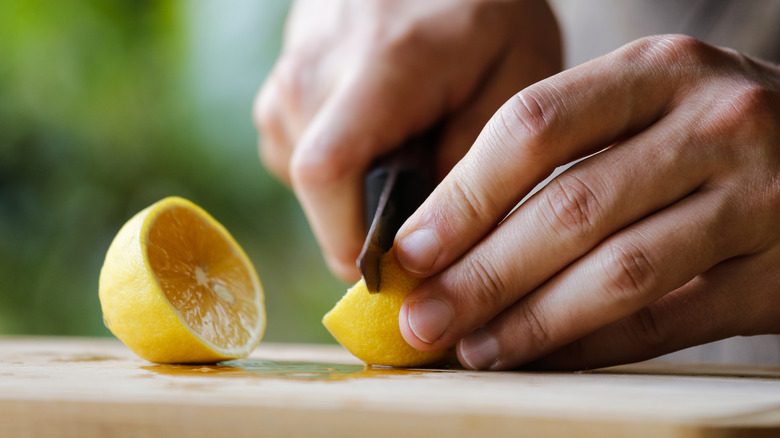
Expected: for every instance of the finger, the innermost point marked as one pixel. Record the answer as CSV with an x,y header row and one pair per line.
x,y
548,124
622,275
363,118
575,212
303,81
736,298
274,144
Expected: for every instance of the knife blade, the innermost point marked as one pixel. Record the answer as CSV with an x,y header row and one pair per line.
x,y
395,186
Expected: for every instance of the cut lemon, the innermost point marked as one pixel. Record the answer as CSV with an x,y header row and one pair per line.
x,y
366,324
176,288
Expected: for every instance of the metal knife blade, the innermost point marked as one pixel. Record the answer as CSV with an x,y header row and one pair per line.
x,y
395,187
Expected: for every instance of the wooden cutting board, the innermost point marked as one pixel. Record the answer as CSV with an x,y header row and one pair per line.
x,y
53,387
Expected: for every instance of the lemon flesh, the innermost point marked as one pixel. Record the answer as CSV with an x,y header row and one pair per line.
x,y
175,287
366,324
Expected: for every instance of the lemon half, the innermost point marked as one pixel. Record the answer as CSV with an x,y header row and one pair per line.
x,y
366,324
175,287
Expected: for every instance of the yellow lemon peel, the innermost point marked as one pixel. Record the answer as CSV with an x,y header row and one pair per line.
x,y
175,287
366,324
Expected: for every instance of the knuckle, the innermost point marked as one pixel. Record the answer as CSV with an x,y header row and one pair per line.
x,y
487,286
265,109
629,273
273,147
758,102
752,109
745,119
643,328
530,112
743,122
519,126
487,15
681,46
534,325
260,110
525,124
666,50
399,43
288,78
473,206
401,39
570,205
320,164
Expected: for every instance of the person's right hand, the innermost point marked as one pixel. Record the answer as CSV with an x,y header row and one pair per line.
x,y
356,78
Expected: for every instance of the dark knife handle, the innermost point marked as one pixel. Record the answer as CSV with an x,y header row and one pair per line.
x,y
413,167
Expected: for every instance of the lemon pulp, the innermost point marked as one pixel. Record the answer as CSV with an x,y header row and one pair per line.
x,y
176,287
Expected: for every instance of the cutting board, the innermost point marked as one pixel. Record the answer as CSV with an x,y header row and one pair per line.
x,y
68,387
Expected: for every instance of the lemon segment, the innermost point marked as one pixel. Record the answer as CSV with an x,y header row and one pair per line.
x,y
366,324
175,287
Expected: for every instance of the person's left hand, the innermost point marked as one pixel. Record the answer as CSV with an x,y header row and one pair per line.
x,y
667,239
357,78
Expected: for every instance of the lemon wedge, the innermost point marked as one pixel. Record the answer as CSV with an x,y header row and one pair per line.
x,y
366,324
175,287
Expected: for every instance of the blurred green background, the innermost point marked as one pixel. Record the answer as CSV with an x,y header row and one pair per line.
x,y
108,106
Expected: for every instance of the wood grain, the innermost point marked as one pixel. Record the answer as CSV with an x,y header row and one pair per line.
x,y
96,387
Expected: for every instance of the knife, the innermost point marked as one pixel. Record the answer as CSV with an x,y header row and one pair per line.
x,y
395,186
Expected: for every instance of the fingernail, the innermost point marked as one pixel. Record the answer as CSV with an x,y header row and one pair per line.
x,y
429,319
418,250
479,350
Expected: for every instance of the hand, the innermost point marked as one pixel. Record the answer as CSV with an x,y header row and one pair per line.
x,y
358,77
668,238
